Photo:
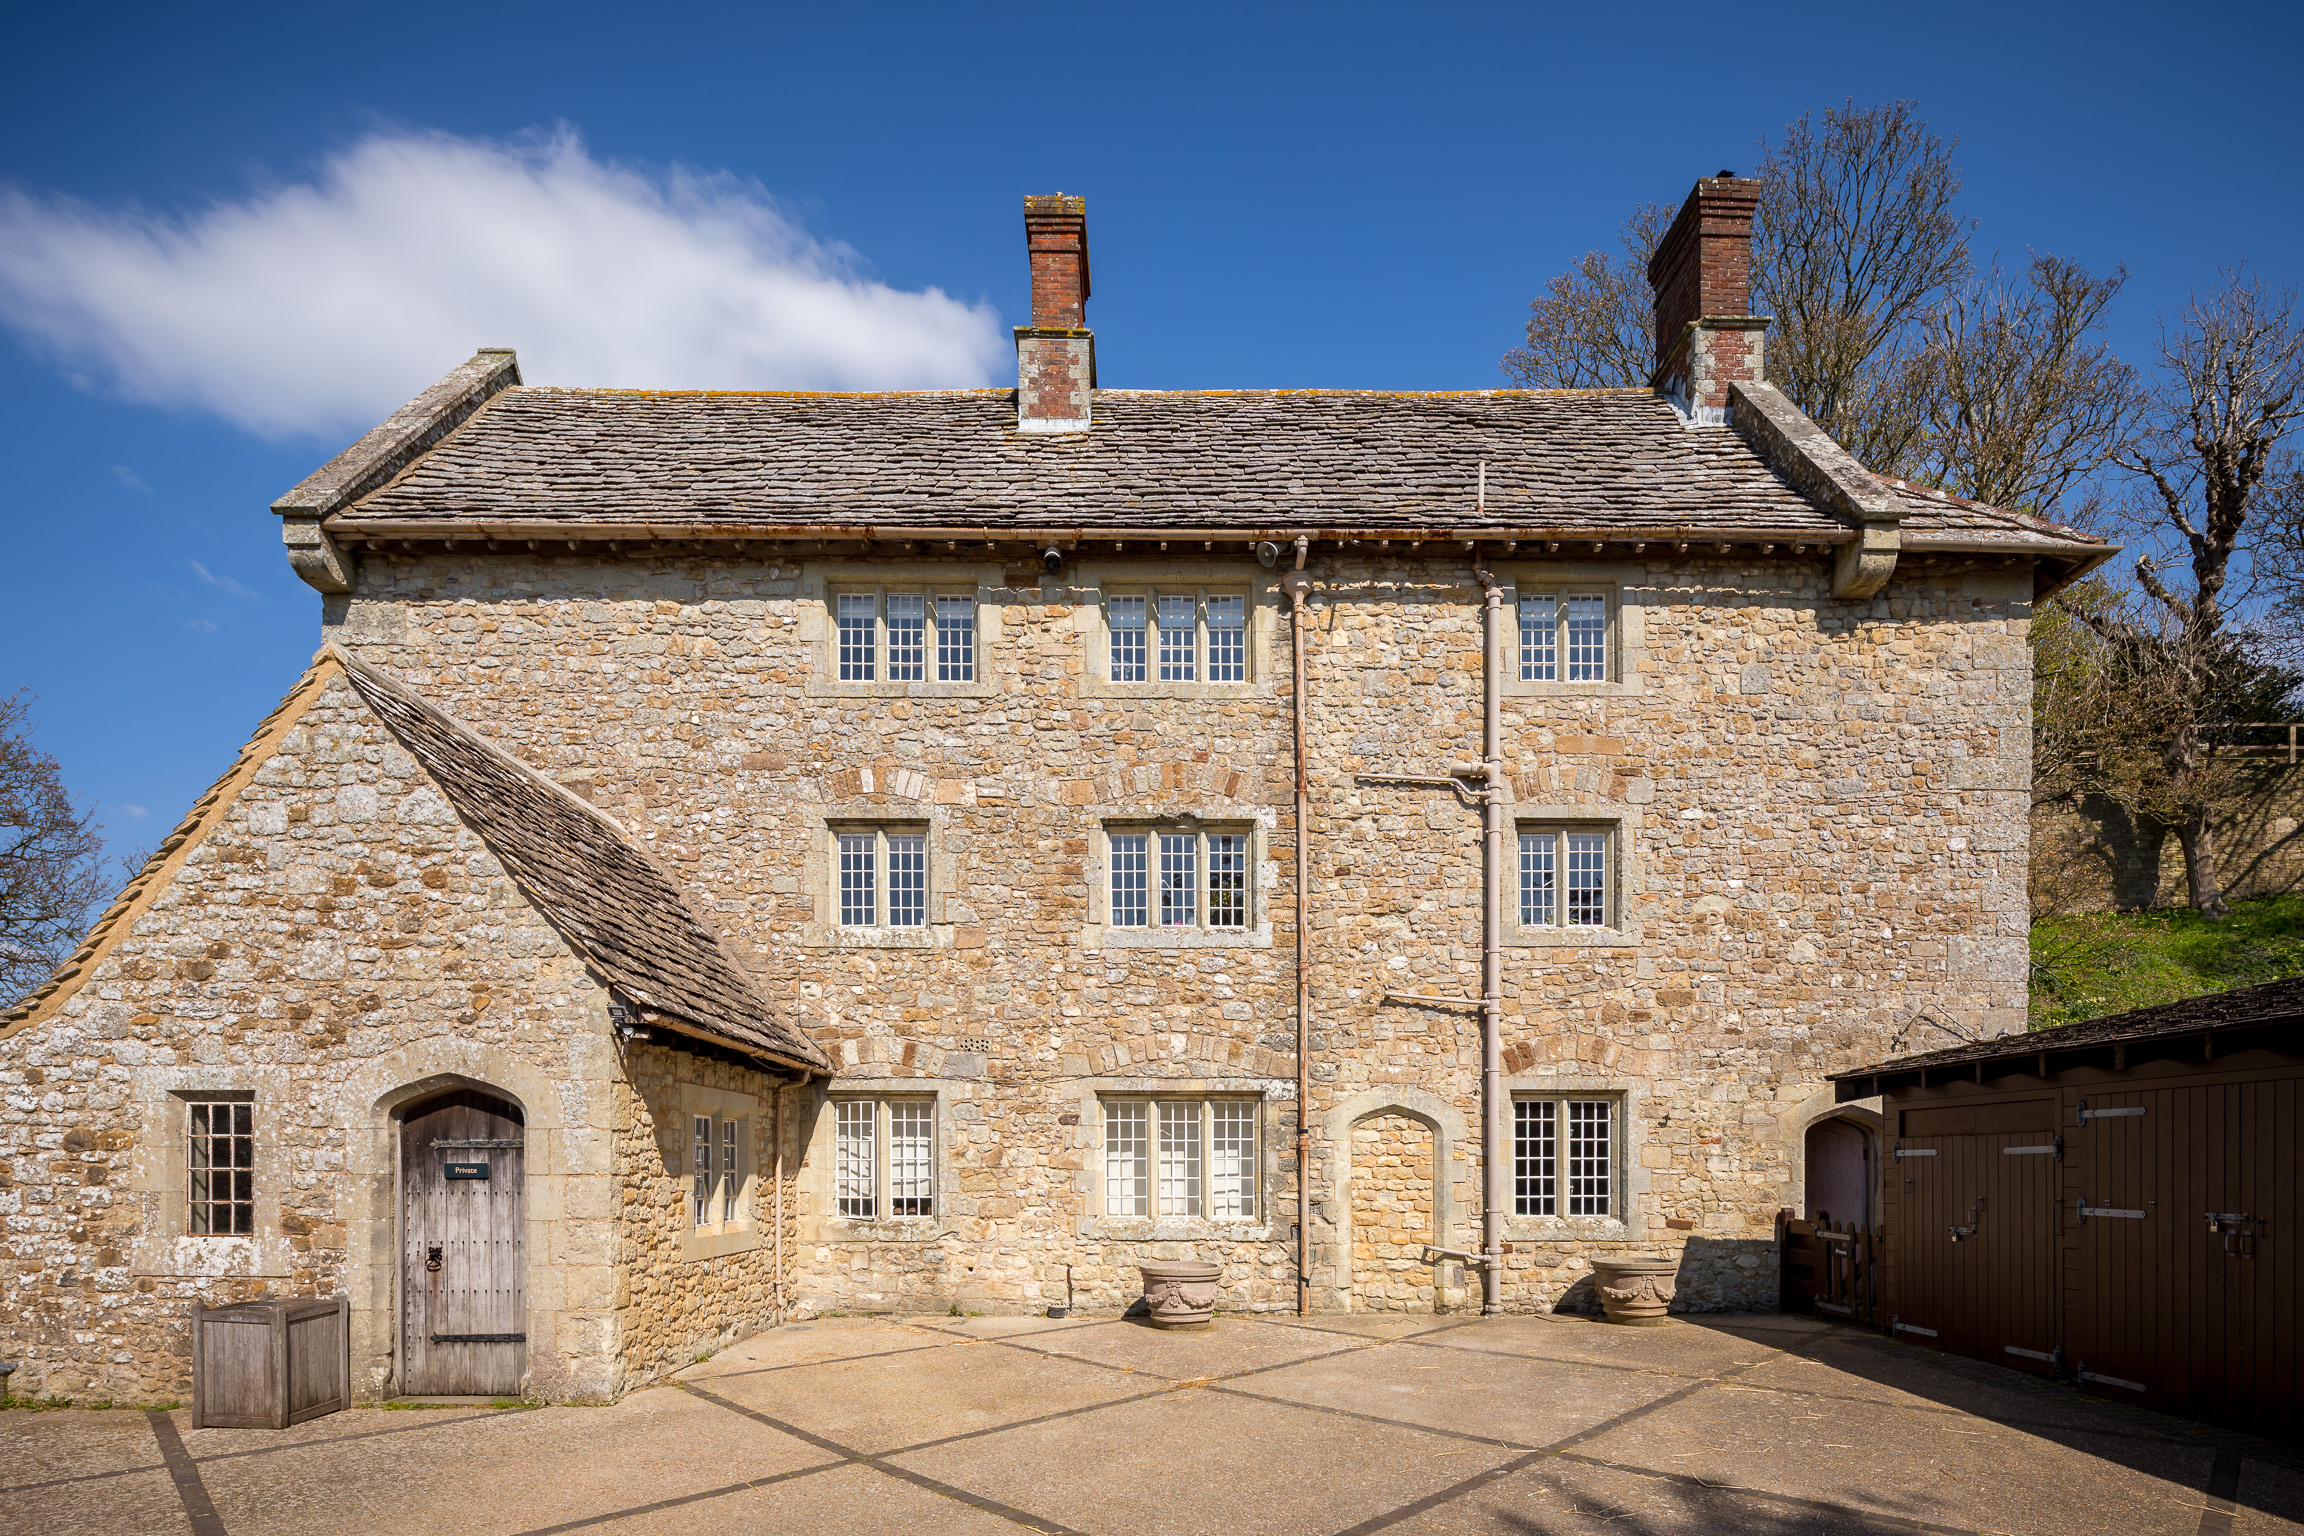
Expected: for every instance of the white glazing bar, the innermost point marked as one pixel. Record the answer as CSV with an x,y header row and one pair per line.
x,y
1126,1134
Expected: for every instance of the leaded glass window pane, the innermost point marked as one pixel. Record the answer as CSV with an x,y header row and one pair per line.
x,y
858,618
1180,1159
1126,1138
1126,617
1179,639
1227,880
907,880
1538,851
1587,880
1179,878
911,1157
1128,893
1591,1136
700,1170
221,1161
1535,1154
955,639
907,637
1232,1160
855,1142
1227,639
1539,639
731,1168
1587,639
859,883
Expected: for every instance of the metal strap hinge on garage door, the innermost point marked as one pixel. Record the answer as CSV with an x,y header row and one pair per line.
x,y
2087,1114
2054,1357
2054,1149
479,1338
1915,1151
2086,1374
1898,1325
2087,1210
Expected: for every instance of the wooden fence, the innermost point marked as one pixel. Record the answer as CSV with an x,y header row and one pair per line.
x,y
1829,1268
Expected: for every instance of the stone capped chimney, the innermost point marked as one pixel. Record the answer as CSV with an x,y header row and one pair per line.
x,y
1056,353
1707,337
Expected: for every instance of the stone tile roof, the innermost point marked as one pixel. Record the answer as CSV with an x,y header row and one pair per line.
x,y
609,900
2273,1003
1614,461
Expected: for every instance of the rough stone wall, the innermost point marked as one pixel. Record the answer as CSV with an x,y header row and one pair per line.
x,y
675,1302
335,939
2090,856
1392,1214
1822,807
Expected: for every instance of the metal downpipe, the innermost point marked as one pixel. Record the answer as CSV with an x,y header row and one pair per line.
x,y
1298,586
1492,1129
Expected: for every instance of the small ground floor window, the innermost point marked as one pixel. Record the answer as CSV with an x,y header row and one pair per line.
x,y
1180,1157
884,1158
1564,1156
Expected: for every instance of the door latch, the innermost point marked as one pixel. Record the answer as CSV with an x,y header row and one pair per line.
x,y
2239,1231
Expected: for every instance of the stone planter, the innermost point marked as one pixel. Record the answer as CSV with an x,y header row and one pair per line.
x,y
1180,1295
1636,1289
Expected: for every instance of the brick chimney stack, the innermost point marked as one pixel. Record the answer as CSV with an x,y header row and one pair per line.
x,y
1056,353
1707,337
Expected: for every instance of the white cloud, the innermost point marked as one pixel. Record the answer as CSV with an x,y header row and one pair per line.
x,y
204,626
318,307
225,582
129,478
135,812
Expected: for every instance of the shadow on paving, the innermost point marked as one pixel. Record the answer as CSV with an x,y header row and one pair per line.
x,y
2265,1476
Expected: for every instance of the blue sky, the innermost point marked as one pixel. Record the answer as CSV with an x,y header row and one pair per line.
x,y
1333,195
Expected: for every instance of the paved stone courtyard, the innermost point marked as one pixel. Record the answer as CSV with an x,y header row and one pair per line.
x,y
1416,1425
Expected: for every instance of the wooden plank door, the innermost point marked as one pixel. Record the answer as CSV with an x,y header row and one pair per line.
x,y
2249,1181
2014,1297
2131,1297
1921,1189
463,1266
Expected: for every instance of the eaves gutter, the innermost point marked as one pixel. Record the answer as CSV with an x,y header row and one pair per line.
x,y
372,530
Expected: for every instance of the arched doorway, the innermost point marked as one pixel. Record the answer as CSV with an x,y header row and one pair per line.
x,y
1393,1198
463,1249
1840,1159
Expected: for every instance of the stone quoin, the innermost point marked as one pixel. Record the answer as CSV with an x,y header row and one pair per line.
x,y
851,841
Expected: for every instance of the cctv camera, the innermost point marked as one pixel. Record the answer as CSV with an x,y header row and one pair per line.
x,y
1053,559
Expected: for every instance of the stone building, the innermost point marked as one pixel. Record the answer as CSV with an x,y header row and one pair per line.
x,y
738,855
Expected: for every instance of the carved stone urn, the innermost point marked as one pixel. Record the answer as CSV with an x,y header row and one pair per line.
x,y
1180,1295
1636,1289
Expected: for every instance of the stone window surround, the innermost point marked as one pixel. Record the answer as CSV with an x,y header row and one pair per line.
x,y
1626,878
820,1218
1274,1127
159,1181
1094,580
883,873
1263,879
1630,1223
1627,629
743,1234
819,633
820,876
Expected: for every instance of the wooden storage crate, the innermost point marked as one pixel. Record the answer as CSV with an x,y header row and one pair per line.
x,y
270,1364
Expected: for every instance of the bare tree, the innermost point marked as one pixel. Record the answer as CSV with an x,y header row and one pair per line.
x,y
2229,391
2021,395
1595,326
1855,242
51,870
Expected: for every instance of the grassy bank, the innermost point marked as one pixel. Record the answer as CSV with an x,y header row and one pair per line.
x,y
2096,963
